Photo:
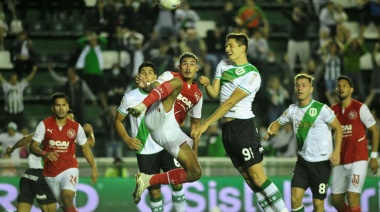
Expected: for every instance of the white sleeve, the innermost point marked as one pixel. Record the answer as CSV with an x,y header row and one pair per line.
x,y
250,82
196,111
39,134
166,76
366,117
285,117
124,105
218,72
81,136
328,115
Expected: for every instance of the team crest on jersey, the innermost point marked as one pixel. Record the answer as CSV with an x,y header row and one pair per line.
x,y
197,96
312,112
71,133
352,114
239,71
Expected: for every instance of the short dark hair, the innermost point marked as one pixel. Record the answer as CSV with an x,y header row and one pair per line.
x,y
58,95
241,38
344,77
147,64
187,55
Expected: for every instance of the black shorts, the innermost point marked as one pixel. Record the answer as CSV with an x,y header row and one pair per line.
x,y
315,175
154,163
241,141
33,185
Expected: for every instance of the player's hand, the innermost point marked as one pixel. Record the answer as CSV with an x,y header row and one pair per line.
x,y
9,150
134,144
52,156
141,81
197,132
268,134
94,176
334,158
88,128
204,81
374,166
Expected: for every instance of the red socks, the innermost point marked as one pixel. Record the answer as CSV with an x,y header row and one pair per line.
x,y
345,208
356,209
71,209
175,176
160,92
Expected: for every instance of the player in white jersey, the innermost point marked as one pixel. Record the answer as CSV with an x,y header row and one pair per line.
x,y
312,123
151,157
170,99
238,82
33,183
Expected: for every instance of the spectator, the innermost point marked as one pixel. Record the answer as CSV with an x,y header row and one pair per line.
x,y
318,46
118,169
276,95
352,51
91,62
258,47
298,44
165,24
196,45
76,89
14,97
185,18
214,141
375,79
3,27
9,138
116,83
370,13
327,18
333,66
114,143
252,17
215,39
22,54
163,60
226,20
284,142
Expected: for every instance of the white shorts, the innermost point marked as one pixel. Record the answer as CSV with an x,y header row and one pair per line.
x,y
67,179
349,177
165,130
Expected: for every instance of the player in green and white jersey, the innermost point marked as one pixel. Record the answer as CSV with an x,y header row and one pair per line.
x,y
151,157
238,82
313,123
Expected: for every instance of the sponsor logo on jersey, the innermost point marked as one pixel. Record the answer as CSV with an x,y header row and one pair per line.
x,y
50,130
71,133
185,101
53,143
347,130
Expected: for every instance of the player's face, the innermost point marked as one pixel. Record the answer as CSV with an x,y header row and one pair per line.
x,y
233,50
60,108
149,74
303,89
343,89
188,68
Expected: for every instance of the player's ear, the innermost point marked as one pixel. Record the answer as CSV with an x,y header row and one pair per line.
x,y
352,90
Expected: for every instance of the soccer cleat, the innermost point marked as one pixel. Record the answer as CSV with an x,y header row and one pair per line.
x,y
137,110
142,183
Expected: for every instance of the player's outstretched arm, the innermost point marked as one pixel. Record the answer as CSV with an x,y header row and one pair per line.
x,y
373,164
132,143
338,135
272,130
34,148
211,90
90,134
23,141
87,153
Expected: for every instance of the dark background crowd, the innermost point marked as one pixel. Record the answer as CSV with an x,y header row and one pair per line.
x,y
91,50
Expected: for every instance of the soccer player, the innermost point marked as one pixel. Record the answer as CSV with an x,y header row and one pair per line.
x,y
57,135
151,157
312,123
33,183
348,177
238,82
171,97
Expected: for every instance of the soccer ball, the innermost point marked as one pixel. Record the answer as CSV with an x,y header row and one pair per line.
x,y
169,4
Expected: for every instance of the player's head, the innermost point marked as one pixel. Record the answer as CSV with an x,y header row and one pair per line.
x,y
344,87
236,45
60,105
188,65
70,114
303,84
149,70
